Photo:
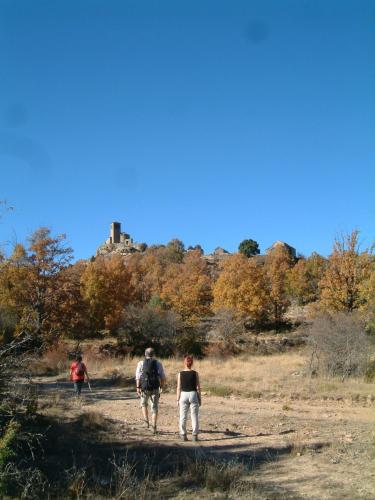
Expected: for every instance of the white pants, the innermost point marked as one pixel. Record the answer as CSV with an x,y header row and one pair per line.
x,y
189,399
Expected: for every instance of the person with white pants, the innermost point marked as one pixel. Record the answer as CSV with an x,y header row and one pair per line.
x,y
188,396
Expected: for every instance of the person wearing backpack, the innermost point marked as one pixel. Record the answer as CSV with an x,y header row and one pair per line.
x,y
150,379
78,371
188,396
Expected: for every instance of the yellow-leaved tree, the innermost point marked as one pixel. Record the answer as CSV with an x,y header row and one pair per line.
x,y
341,288
107,288
303,278
242,287
367,292
277,266
31,283
149,269
187,288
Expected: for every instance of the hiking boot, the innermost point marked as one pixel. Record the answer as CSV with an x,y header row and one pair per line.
x,y
147,423
184,437
154,431
195,437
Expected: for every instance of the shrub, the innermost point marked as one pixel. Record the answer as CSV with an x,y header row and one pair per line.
x,y
338,344
215,475
223,476
370,371
8,323
7,452
93,420
189,339
7,442
144,326
15,357
54,361
226,333
219,390
148,326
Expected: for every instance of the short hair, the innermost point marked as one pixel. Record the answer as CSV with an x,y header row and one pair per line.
x,y
149,352
79,357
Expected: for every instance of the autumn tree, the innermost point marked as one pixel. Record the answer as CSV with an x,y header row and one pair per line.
x,y
196,247
242,287
277,265
148,272
367,293
347,270
31,282
47,258
74,314
138,270
175,250
107,289
149,269
249,248
14,273
303,278
187,287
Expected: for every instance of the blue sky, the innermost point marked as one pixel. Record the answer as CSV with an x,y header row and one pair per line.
x,y
211,121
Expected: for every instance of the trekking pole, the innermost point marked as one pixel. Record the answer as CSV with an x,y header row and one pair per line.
x,y
88,383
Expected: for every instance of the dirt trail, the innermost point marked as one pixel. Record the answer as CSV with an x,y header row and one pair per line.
x,y
303,449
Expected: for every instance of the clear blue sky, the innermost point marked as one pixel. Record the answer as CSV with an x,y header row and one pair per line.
x,y
211,121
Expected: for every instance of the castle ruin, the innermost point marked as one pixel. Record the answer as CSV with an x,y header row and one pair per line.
x,y
119,242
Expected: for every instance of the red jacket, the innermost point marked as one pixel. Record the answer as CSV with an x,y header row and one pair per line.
x,y
73,368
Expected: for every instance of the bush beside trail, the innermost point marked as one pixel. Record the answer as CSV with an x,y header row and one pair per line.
x,y
339,345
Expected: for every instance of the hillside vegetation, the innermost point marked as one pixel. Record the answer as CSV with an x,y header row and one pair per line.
x,y
240,316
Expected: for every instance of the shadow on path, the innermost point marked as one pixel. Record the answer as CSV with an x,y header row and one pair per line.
x,y
97,446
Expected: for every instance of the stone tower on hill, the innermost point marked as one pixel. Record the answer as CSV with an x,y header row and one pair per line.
x,y
119,242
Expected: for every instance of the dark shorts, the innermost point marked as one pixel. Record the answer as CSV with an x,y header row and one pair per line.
x,y
78,386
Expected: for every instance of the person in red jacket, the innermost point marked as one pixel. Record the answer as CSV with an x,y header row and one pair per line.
x,y
78,371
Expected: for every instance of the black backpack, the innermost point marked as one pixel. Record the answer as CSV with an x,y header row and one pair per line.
x,y
150,378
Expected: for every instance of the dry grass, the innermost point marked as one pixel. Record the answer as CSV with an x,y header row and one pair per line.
x,y
57,360
281,375
92,420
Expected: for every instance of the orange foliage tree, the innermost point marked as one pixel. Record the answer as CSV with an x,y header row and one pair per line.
x,y
74,317
242,287
14,274
187,287
149,269
367,291
303,279
31,282
107,288
347,270
277,265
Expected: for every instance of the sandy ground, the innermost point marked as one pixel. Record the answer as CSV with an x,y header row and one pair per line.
x,y
296,449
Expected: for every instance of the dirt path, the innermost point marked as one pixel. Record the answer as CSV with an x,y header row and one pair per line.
x,y
315,450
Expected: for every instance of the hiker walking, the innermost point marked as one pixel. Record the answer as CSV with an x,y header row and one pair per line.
x,y
188,396
78,371
150,379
